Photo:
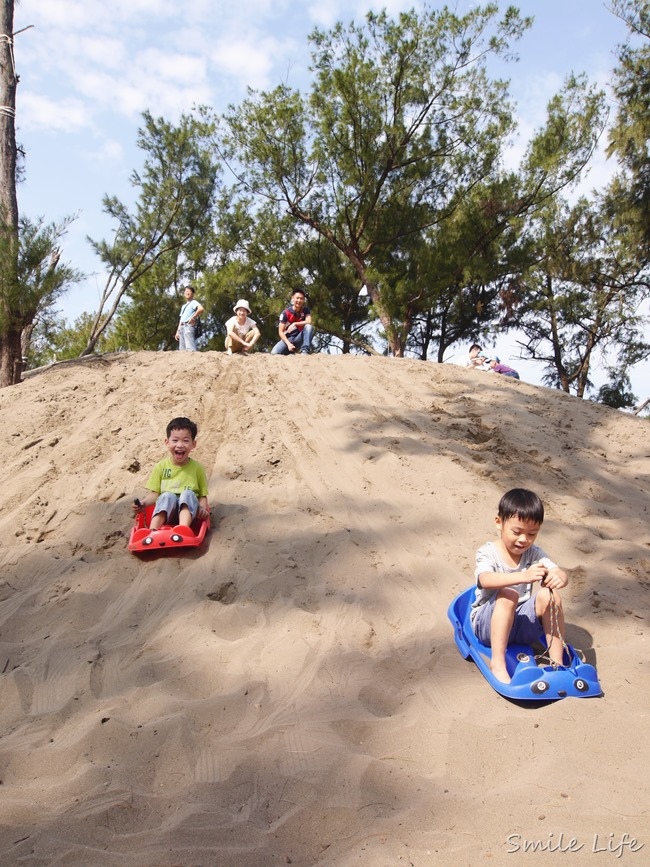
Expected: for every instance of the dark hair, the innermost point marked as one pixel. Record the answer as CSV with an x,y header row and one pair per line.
x,y
182,423
475,346
523,504
302,292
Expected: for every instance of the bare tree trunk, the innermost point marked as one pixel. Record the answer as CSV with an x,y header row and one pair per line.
x,y
8,151
10,328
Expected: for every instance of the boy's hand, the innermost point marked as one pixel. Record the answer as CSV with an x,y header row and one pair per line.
x,y
203,512
536,572
137,506
556,579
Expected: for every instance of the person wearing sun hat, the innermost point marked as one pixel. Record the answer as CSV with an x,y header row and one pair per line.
x,y
242,332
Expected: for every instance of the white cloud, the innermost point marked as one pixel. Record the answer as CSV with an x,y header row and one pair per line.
x,y
109,151
35,112
326,14
72,15
105,51
251,60
166,45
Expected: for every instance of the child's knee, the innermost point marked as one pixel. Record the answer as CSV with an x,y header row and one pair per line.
x,y
545,597
165,502
508,596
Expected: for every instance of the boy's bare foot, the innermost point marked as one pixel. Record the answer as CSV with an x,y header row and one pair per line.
x,y
500,672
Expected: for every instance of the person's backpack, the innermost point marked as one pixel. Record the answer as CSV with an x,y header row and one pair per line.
x,y
198,327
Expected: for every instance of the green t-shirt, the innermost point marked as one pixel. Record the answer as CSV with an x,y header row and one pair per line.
x,y
169,477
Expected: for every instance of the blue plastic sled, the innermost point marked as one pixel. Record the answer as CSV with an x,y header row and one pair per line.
x,y
168,538
529,681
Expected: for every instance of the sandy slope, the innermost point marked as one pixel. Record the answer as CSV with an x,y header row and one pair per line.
x,y
292,692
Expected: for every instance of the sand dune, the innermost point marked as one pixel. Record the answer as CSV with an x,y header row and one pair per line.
x,y
291,693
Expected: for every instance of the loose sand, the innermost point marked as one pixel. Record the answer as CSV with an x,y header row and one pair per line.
x,y
291,692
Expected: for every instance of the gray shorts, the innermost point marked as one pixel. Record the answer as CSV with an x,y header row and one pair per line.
x,y
171,503
526,628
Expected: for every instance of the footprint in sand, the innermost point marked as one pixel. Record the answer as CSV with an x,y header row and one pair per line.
x,y
226,594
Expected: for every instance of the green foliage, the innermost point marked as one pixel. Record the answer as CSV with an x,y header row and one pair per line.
x,y
163,239
31,290
38,278
148,320
630,135
401,121
617,393
53,339
559,152
581,294
465,268
41,276
381,192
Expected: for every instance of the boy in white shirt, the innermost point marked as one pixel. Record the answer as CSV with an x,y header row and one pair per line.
x,y
505,610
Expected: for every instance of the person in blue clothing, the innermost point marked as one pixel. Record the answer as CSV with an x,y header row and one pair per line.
x,y
190,312
295,328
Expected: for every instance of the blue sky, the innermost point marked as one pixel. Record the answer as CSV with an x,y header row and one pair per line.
x,y
88,69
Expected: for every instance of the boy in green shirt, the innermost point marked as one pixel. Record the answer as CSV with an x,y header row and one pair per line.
x,y
177,484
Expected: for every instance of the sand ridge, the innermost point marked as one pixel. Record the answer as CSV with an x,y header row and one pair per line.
x,y
291,693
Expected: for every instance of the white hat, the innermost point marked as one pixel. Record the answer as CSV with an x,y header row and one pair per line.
x,y
241,303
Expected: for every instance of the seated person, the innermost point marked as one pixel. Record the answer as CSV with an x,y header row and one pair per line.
x,y
476,358
505,610
295,328
495,365
177,484
242,332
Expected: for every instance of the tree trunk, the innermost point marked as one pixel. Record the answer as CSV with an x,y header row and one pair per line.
x,y
10,346
395,344
11,358
8,151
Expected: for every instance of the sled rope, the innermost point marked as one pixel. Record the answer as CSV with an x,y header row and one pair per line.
x,y
555,630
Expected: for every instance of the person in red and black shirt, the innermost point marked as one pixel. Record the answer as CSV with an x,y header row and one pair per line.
x,y
295,328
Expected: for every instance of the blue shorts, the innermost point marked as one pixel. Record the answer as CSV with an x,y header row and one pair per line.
x,y
526,628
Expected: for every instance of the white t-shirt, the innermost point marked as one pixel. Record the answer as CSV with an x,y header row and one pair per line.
x,y
488,559
240,330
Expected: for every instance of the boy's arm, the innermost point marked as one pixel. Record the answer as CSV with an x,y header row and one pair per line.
x,y
202,486
153,489
149,499
498,580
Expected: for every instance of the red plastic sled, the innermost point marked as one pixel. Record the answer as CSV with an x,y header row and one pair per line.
x,y
168,538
